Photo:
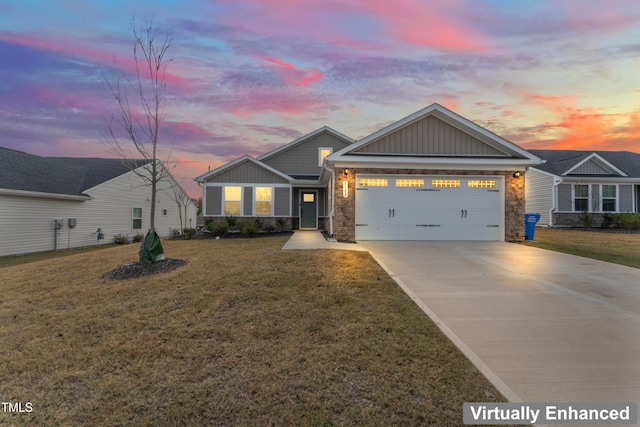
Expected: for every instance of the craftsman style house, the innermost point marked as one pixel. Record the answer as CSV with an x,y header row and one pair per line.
x,y
433,175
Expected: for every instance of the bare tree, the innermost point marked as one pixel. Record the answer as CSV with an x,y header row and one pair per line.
x,y
139,110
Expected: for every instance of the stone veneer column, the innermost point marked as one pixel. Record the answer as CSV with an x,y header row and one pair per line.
x,y
344,222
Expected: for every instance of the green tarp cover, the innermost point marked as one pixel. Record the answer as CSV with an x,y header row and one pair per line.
x,y
151,249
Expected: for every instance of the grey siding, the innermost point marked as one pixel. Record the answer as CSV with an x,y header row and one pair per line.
x,y
213,198
248,201
565,202
248,172
281,200
625,204
539,194
596,203
322,200
590,168
430,136
302,159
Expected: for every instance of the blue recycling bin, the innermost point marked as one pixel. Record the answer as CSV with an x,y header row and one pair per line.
x,y
530,221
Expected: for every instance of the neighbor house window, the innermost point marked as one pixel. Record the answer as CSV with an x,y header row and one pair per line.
x,y
263,200
580,198
232,199
137,219
322,153
164,212
608,198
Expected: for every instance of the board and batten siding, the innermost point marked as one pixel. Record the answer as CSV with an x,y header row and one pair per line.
x,y
430,136
539,194
625,203
302,159
590,168
26,223
213,201
282,200
565,201
247,172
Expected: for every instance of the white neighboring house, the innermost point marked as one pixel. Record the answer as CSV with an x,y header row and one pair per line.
x,y
86,194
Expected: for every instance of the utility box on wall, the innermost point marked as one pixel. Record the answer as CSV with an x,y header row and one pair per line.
x,y
58,224
72,222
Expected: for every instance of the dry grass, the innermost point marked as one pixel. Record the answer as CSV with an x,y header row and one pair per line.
x,y
245,334
619,248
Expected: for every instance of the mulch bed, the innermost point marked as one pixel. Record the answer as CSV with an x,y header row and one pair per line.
x,y
137,269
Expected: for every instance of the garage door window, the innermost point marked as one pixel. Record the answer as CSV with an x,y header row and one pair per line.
x,y
373,182
409,182
477,183
445,183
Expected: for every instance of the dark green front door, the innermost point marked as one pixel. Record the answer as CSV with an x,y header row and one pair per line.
x,y
308,210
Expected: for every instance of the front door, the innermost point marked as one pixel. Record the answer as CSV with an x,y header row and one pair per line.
x,y
309,210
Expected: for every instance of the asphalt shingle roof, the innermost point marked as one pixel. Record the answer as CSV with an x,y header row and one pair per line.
x,y
559,161
56,175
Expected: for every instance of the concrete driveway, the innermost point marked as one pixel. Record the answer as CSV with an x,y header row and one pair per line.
x,y
542,326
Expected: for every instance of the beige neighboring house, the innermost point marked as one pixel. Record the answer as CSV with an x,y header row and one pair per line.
x,y
49,203
433,175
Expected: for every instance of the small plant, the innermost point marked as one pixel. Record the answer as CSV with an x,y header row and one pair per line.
x,y
248,228
207,222
586,218
121,239
259,223
628,221
269,228
607,220
139,237
218,228
231,221
189,232
281,224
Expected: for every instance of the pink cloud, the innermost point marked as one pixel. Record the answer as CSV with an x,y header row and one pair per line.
x,y
293,75
98,55
576,128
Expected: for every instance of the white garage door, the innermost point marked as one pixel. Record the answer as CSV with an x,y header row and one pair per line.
x,y
411,207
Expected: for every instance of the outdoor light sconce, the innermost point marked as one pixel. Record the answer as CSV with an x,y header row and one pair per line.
x,y
517,174
346,172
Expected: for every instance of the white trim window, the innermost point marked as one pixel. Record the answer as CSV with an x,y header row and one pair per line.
x,y
136,219
264,201
581,197
322,153
232,200
609,197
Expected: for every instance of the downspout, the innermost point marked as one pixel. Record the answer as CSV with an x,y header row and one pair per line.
x,y
333,204
554,205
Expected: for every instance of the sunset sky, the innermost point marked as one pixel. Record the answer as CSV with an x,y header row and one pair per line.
x,y
250,75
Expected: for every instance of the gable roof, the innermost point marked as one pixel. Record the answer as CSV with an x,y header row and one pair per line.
x,y
304,138
572,163
20,171
421,144
237,162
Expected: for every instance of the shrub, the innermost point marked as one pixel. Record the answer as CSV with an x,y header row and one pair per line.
x,y
607,220
207,222
269,228
248,228
218,228
231,221
121,239
189,232
281,224
139,237
259,223
627,221
586,218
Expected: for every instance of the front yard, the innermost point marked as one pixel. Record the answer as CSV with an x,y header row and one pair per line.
x,y
245,334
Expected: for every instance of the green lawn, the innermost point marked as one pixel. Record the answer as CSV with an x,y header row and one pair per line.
x,y
245,334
